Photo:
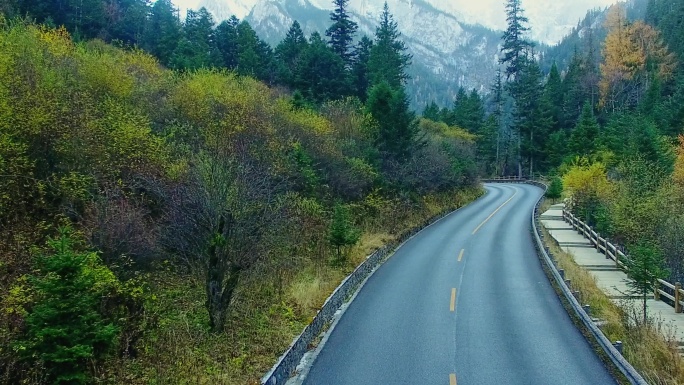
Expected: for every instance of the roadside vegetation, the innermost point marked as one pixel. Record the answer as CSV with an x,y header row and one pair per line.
x,y
182,227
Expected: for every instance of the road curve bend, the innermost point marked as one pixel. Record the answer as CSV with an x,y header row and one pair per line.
x,y
463,302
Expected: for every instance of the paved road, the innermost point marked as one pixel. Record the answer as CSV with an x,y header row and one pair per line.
x,y
426,317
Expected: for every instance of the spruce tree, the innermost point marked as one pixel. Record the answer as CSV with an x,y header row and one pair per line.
x,y
289,54
573,97
65,328
388,59
196,49
321,75
254,56
359,72
341,231
397,128
431,112
514,45
341,32
583,138
645,266
163,31
553,91
226,38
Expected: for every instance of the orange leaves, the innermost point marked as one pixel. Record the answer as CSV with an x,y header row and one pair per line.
x,y
678,172
627,49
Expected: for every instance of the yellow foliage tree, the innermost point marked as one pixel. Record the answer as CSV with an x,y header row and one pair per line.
x,y
587,184
625,75
678,172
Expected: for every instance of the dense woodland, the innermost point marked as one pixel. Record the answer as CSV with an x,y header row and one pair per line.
x,y
177,212
177,197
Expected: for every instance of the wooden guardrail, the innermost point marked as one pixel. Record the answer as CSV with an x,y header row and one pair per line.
x,y
611,251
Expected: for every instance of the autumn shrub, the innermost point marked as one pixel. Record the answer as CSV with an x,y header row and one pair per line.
x,y
589,188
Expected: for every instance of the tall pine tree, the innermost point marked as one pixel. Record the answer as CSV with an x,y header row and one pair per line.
x,y
388,59
514,45
289,54
226,37
341,32
163,31
359,72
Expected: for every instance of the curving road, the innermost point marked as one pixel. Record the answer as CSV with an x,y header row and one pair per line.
x,y
463,302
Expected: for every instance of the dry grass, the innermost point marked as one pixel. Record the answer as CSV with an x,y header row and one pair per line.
x,y
649,347
265,316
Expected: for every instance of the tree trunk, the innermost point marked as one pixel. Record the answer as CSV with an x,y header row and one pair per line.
x,y
519,156
219,292
645,317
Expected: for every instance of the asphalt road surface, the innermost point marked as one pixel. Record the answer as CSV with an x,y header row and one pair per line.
x,y
463,302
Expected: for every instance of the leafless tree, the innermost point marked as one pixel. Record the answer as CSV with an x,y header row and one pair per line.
x,y
220,219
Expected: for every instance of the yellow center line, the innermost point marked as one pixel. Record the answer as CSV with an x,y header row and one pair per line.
x,y
452,379
452,306
460,255
495,211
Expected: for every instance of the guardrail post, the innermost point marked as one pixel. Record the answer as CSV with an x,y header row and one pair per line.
x,y
618,346
678,297
656,292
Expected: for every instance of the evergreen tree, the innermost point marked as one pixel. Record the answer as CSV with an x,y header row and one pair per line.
x,y
431,112
196,48
553,91
84,19
532,113
162,31
573,100
254,56
555,189
645,266
289,54
226,38
583,138
514,45
65,328
125,21
359,72
498,96
341,32
342,231
388,59
321,75
468,111
397,128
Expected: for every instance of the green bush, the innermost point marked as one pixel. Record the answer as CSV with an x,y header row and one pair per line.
x,y
65,328
555,189
342,231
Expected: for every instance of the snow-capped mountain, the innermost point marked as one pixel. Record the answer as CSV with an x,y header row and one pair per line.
x,y
447,53
455,43
550,20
